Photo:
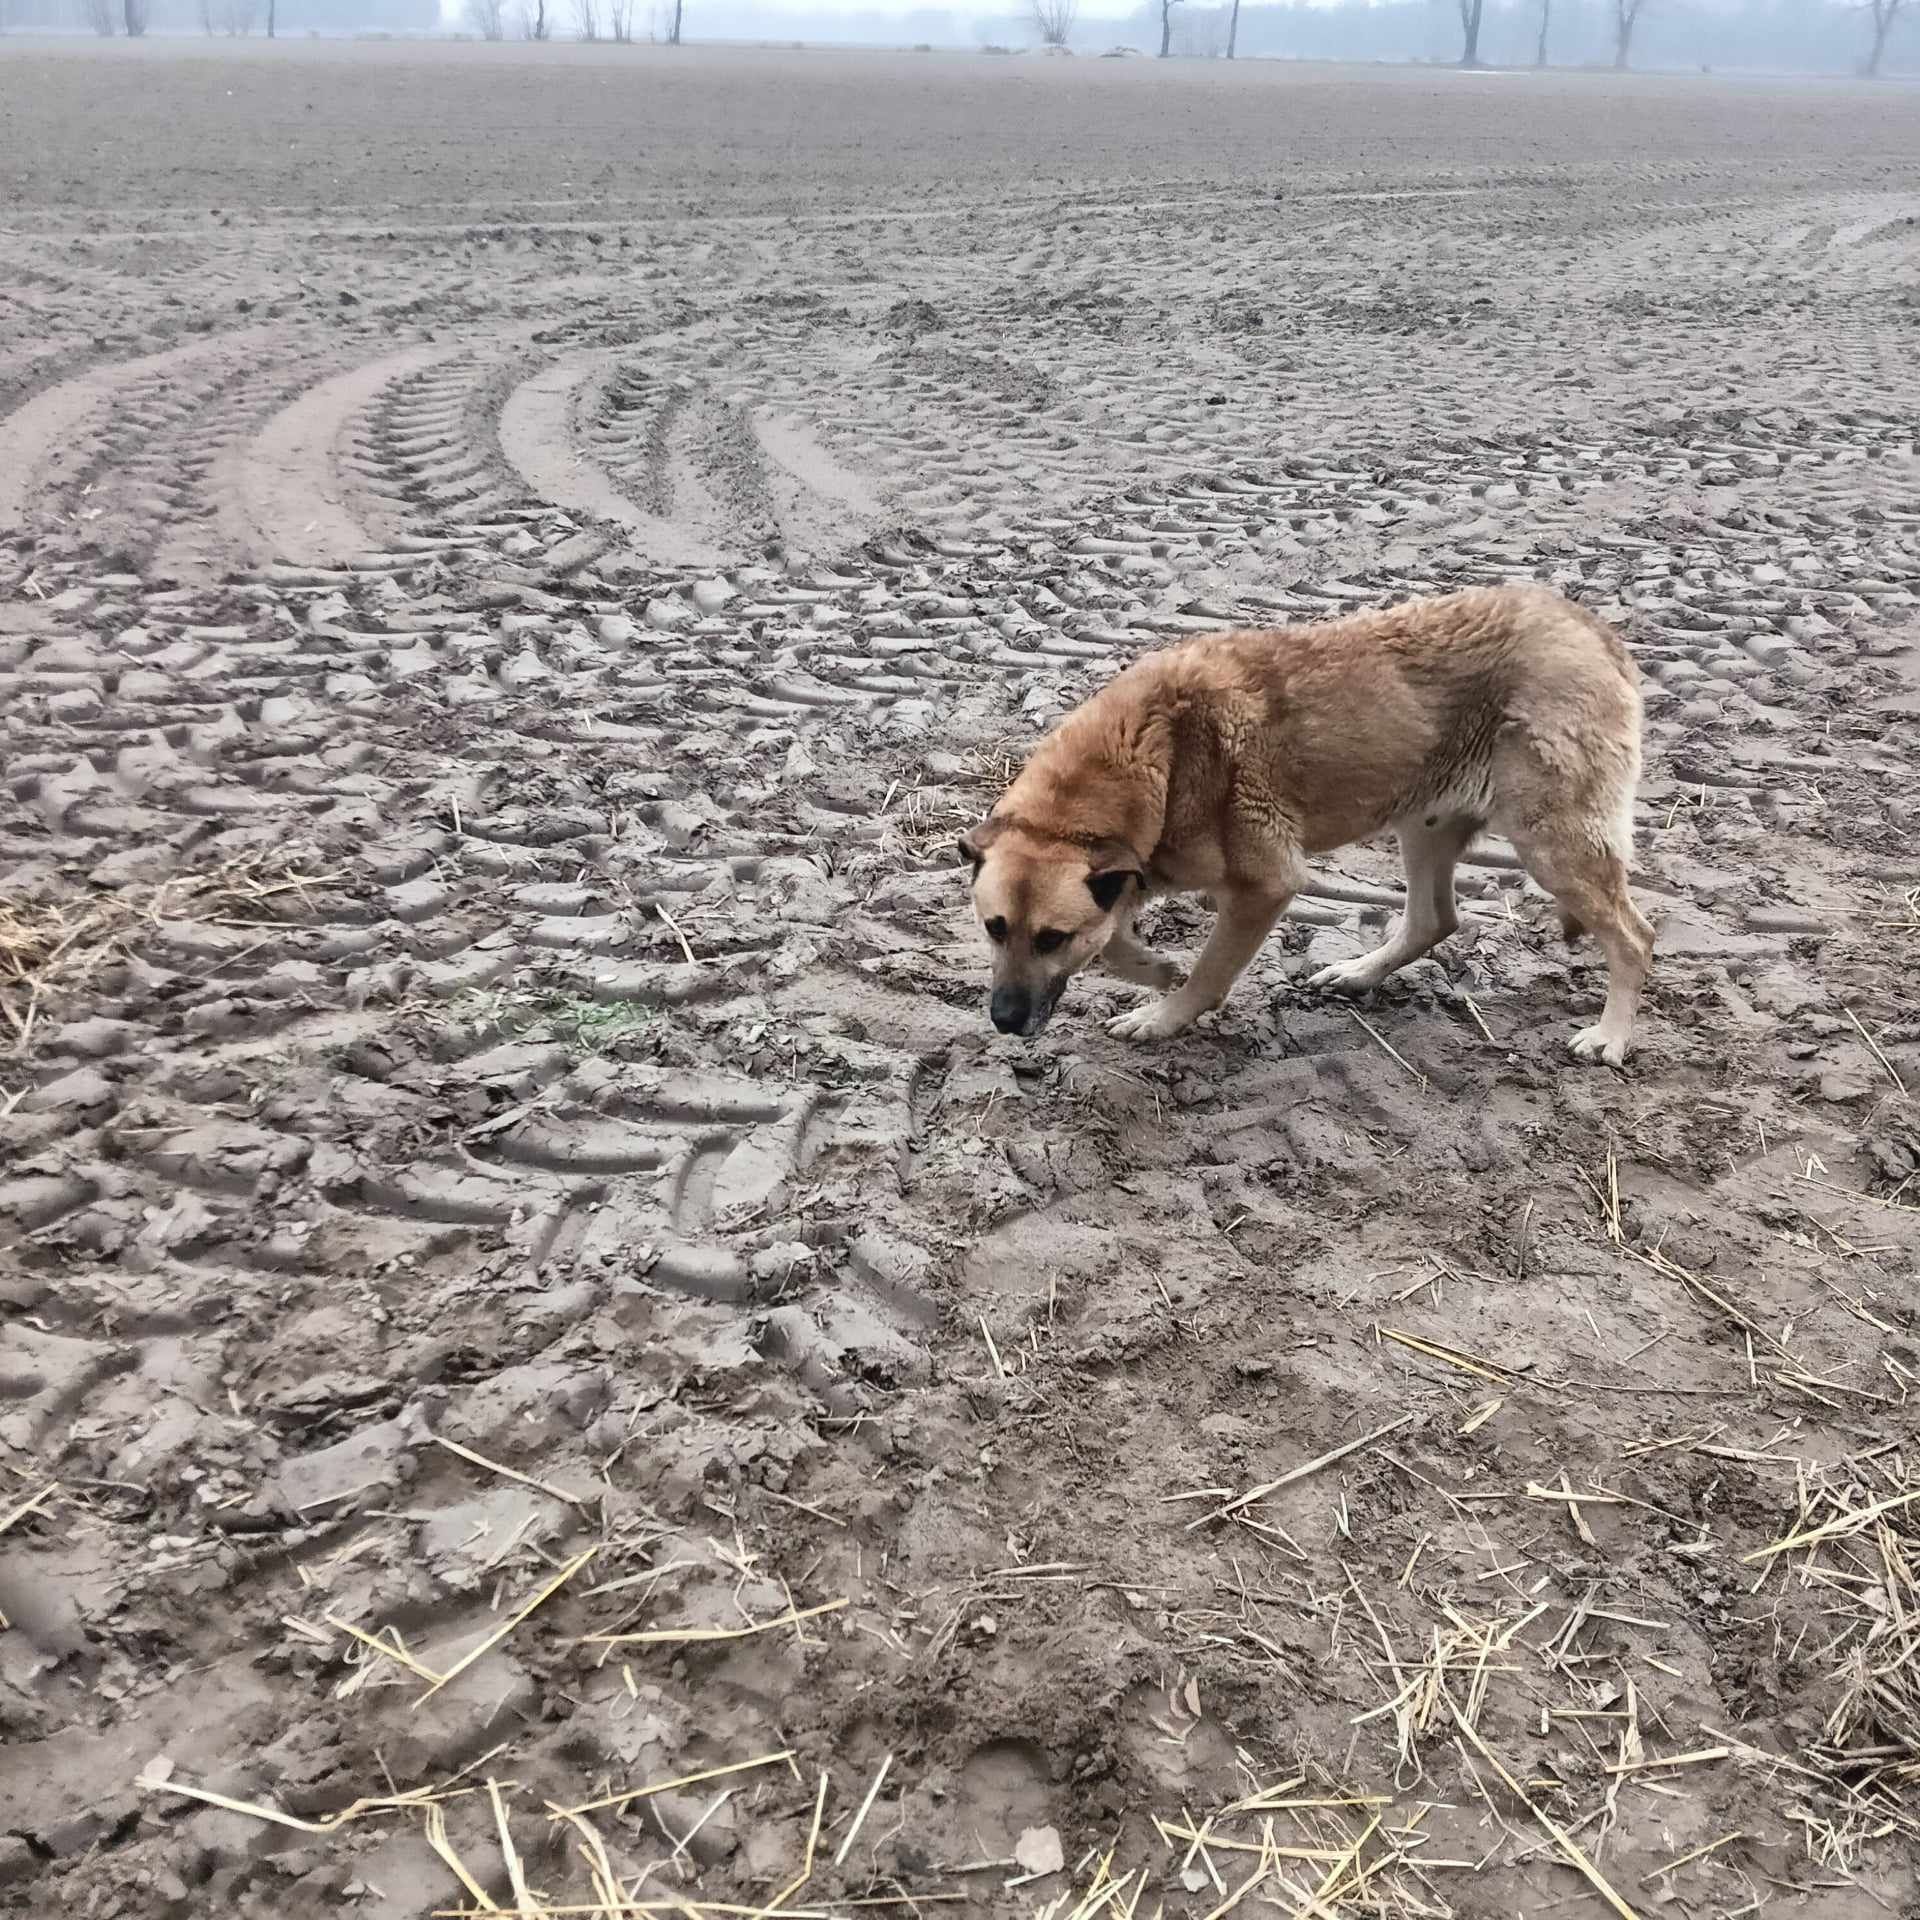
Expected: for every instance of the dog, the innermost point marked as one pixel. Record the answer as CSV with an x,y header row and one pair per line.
x,y
1220,765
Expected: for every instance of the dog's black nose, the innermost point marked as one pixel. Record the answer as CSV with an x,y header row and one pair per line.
x,y
1009,1009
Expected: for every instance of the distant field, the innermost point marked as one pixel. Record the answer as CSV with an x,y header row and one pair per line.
x,y
420,126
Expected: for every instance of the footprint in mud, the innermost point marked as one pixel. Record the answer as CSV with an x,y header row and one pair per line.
x,y
1179,1745
1003,1791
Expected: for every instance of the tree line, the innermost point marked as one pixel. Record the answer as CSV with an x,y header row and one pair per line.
x,y
1622,19
1807,36
620,21
226,19
610,20
1815,36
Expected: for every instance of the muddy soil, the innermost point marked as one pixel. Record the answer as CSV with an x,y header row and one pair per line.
x,y
549,1359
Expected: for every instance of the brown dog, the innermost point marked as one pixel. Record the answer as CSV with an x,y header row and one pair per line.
x,y
1217,766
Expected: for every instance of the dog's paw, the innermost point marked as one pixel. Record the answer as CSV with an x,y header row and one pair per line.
x,y
1158,1020
1142,969
1596,1043
1358,975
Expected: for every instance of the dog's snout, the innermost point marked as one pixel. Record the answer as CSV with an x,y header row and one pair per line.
x,y
1009,1009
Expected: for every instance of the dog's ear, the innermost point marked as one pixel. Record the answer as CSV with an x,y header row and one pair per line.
x,y
973,846
1109,884
1114,865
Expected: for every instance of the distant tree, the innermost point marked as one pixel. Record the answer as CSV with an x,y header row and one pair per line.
x,y
673,32
273,17
1233,28
620,20
586,19
99,15
133,15
1540,45
1470,11
1626,16
1886,16
1166,26
1053,20
534,24
487,18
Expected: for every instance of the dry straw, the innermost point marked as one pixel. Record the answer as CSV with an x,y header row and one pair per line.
x,y
507,1626
1862,1557
52,949
31,1505
702,1636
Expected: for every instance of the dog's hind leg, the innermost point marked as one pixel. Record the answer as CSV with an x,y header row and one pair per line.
x,y
1428,853
1570,818
1588,880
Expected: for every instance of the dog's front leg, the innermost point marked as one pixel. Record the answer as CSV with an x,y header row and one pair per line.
x,y
1242,924
1126,959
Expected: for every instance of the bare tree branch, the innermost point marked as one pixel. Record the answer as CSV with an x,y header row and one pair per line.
x,y
1053,19
1885,15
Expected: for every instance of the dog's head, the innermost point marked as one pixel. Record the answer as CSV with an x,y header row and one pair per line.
x,y
1049,906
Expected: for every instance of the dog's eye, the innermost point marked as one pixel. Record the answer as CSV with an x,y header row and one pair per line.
x,y
996,929
1049,940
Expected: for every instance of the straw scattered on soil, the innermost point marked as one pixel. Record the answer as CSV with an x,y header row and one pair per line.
x,y
51,950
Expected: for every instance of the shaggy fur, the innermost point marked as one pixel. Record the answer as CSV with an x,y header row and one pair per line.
x,y
1217,766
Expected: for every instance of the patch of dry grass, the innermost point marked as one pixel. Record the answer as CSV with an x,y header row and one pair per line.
x,y
926,819
53,949
1855,1542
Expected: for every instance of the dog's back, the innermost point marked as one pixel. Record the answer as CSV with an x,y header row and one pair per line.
x,y
1353,724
